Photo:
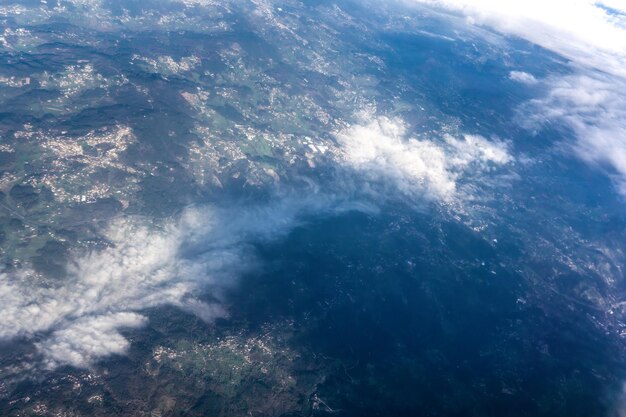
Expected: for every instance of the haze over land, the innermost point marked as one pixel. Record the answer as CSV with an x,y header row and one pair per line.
x,y
307,208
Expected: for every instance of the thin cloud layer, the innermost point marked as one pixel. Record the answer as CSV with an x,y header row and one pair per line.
x,y
381,150
79,320
591,102
593,106
584,31
81,317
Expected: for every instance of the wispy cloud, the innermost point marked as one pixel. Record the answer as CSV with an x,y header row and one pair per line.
x,y
79,320
593,106
581,30
591,100
141,268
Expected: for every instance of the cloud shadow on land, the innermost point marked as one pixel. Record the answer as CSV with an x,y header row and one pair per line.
x,y
409,305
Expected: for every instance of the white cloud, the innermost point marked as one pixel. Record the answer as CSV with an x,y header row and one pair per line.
x,y
590,33
594,106
142,268
86,340
580,30
381,150
523,77
78,320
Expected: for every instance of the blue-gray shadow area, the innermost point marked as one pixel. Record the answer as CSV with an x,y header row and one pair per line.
x,y
419,317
